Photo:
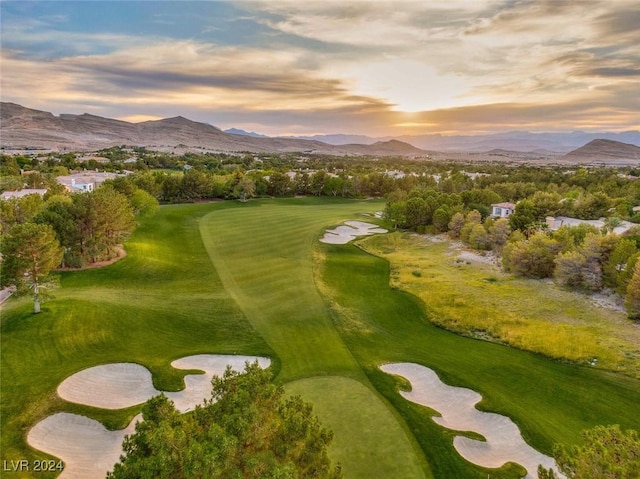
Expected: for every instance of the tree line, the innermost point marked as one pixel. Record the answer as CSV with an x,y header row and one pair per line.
x,y
581,257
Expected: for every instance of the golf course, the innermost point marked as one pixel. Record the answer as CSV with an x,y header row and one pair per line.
x,y
252,279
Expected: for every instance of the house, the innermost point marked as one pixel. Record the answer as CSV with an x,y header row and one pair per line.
x,y
24,192
85,181
556,223
502,210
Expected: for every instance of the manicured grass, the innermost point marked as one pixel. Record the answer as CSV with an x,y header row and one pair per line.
x,y
351,410
263,253
550,401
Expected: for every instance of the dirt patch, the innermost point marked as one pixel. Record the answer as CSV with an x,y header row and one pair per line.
x,y
120,253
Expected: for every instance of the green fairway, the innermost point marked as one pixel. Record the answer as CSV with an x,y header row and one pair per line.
x,y
252,278
263,253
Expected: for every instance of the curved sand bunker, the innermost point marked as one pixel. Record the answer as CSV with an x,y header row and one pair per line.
x,y
350,231
87,448
120,385
504,443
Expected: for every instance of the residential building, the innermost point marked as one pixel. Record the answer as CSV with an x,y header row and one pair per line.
x,y
502,210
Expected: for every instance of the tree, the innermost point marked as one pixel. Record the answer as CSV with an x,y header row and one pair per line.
x,y
417,212
479,238
247,429
456,224
534,258
245,189
396,212
441,218
472,219
279,184
499,233
632,302
569,268
104,219
524,216
143,203
58,212
29,252
607,453
615,267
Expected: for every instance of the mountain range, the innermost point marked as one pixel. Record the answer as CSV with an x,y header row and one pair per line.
x,y
516,141
25,128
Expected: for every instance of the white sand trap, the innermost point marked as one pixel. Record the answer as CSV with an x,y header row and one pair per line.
x,y
88,449
110,386
504,443
198,386
350,231
120,385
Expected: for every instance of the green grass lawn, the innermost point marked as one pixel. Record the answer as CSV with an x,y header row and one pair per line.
x,y
252,278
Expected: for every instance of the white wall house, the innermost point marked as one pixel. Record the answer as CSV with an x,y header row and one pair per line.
x,y
502,210
85,181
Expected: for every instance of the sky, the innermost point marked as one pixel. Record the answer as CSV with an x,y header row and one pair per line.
x,y
319,67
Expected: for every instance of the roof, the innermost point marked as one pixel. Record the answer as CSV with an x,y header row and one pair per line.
x,y
24,192
504,205
559,221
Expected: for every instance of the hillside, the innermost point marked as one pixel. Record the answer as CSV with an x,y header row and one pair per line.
x,y
602,150
25,128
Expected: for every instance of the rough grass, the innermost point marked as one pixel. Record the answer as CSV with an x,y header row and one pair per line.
x,y
477,299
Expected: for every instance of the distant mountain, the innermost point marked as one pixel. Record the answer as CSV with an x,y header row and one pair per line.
x,y
341,139
603,150
236,131
25,128
511,141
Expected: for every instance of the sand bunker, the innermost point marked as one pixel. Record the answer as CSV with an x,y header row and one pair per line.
x,y
504,443
87,448
120,385
350,231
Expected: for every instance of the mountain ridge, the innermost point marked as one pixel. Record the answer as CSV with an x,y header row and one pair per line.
x,y
26,128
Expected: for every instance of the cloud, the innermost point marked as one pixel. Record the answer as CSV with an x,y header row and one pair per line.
x,y
353,66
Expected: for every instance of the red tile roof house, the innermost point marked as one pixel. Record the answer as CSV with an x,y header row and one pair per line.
x,y
502,210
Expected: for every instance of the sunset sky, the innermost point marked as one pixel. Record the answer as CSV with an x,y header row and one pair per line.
x,y
313,67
